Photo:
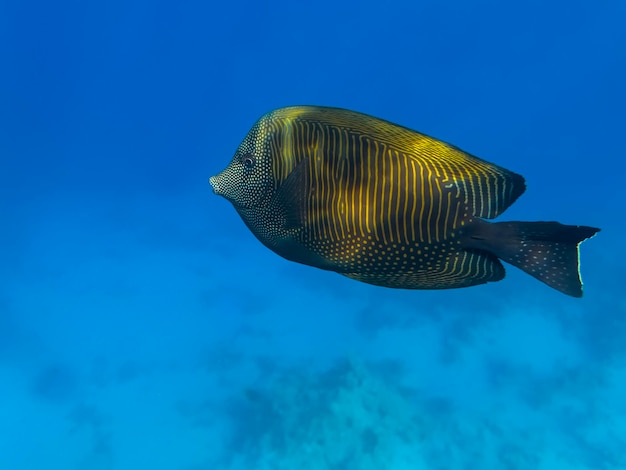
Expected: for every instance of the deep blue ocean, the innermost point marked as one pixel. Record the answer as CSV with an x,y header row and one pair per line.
x,y
143,326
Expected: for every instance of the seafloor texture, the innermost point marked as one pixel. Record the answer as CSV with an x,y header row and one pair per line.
x,y
134,356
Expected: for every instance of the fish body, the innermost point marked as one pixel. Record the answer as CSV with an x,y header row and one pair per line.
x,y
386,205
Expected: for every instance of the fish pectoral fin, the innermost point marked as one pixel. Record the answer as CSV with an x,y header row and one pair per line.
x,y
291,197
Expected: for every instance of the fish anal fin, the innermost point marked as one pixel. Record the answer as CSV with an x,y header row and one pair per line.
x,y
461,269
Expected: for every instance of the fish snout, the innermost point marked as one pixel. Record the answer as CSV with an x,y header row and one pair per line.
x,y
222,185
214,182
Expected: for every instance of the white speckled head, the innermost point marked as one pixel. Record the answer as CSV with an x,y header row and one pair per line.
x,y
247,180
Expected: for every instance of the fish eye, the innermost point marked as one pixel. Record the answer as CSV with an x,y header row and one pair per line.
x,y
248,160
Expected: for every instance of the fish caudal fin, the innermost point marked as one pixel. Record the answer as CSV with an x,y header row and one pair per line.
x,y
547,251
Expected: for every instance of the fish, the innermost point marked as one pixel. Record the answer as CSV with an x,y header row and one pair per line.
x,y
386,205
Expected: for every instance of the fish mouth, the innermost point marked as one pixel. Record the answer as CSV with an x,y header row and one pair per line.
x,y
220,186
214,184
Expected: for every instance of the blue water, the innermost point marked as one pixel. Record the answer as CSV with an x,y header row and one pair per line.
x,y
143,326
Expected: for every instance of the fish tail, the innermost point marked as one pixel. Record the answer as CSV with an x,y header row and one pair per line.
x,y
548,251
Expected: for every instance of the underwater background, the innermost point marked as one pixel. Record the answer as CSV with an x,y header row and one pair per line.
x,y
143,326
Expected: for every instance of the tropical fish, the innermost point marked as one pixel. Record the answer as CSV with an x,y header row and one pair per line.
x,y
386,205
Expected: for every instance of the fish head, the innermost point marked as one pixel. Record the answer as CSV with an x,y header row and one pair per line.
x,y
247,181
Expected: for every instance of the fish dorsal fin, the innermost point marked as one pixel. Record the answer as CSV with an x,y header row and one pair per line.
x,y
488,188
